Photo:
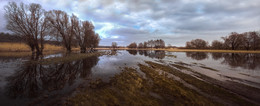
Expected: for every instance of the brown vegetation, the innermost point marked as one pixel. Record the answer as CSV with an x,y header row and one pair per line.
x,y
22,47
132,45
28,21
34,24
197,44
234,41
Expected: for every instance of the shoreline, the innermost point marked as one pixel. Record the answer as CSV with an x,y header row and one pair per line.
x,y
188,50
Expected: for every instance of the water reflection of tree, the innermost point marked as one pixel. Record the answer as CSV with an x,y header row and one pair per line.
x,y
132,52
244,60
32,79
159,54
217,56
197,55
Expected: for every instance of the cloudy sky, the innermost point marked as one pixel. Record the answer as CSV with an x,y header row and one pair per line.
x,y
175,21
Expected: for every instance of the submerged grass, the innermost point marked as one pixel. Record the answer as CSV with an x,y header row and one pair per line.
x,y
173,92
209,68
130,88
203,86
24,54
173,56
126,88
67,58
180,67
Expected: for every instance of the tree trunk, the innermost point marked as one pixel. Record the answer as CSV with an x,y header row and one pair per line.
x,y
83,49
68,47
38,50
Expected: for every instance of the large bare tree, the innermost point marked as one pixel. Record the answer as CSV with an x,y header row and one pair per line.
x,y
217,44
91,37
85,34
255,40
233,41
63,27
79,31
28,21
197,44
132,45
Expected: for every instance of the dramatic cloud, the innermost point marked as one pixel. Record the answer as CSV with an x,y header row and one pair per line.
x,y
175,21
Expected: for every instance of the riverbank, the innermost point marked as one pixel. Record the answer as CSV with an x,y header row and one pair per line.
x,y
188,50
22,47
7,48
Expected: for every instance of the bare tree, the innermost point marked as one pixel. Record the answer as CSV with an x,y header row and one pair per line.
x,y
188,45
246,40
255,40
93,41
85,34
63,25
82,31
79,33
28,21
217,44
233,41
159,43
132,45
197,44
140,45
114,45
145,44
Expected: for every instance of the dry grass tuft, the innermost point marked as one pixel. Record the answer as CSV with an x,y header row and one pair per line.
x,y
22,47
14,47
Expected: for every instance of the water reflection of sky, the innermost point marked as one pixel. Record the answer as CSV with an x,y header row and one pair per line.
x,y
64,78
108,66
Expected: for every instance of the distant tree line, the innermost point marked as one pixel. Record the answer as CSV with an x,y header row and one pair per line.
x,y
34,24
159,43
7,37
234,41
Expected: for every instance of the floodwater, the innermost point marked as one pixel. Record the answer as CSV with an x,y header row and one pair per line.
x,y
23,83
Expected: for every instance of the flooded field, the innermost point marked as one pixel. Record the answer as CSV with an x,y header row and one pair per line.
x,y
132,78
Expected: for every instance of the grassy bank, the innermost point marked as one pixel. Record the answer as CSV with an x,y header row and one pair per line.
x,y
8,49
22,47
188,50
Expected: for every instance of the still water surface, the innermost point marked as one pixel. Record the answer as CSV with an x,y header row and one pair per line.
x,y
24,83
